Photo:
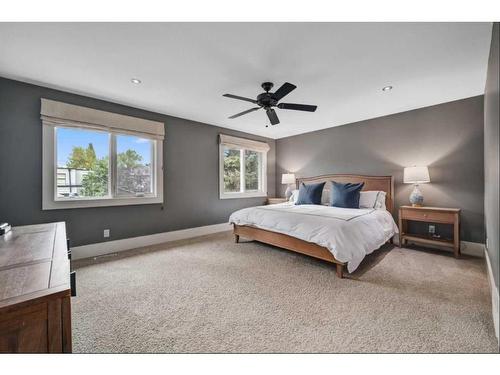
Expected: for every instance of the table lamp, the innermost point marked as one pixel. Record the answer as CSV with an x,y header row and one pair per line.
x,y
416,175
288,179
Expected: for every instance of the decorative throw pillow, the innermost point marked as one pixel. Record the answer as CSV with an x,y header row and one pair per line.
x,y
310,194
345,195
372,199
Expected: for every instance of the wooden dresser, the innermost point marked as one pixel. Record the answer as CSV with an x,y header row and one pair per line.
x,y
35,290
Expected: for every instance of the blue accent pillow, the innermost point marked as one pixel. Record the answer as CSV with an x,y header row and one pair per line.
x,y
345,195
310,194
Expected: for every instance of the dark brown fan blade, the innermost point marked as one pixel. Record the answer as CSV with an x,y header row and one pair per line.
x,y
286,89
298,107
244,112
273,117
240,98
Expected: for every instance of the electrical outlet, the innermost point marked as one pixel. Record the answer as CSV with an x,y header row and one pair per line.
x,y
432,229
106,233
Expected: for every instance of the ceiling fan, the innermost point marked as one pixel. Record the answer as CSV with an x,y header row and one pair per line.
x,y
268,100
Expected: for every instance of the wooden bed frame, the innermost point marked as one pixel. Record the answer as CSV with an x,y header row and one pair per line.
x,y
383,183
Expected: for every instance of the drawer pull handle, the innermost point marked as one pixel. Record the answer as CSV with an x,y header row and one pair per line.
x,y
72,280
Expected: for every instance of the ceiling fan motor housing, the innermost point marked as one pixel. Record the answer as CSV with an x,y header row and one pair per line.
x,y
266,100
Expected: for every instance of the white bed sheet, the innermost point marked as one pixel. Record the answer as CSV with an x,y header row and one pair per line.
x,y
349,234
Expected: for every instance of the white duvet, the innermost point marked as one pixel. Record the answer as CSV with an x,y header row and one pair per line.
x,y
349,234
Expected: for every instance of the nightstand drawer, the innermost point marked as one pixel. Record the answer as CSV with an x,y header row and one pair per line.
x,y
433,216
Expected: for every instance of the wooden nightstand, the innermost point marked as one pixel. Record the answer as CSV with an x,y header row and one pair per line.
x,y
437,215
275,200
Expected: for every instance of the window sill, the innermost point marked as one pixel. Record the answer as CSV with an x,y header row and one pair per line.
x,y
258,194
103,202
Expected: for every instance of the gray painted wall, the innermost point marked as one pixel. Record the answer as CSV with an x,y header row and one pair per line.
x,y
446,137
191,160
491,153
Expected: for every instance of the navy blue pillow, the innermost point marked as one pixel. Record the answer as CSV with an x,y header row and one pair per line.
x,y
345,195
310,194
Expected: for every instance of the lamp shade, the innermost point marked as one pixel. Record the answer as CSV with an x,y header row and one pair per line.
x,y
416,175
288,178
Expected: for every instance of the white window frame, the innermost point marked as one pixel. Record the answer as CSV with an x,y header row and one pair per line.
x,y
243,145
50,201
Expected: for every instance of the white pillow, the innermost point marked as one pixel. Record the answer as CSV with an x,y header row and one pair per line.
x,y
380,204
294,196
325,197
372,199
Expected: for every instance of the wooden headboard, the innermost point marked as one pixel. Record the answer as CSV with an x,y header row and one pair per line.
x,y
383,183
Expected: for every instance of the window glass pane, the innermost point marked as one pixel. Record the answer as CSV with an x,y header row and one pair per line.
x,y
231,170
134,157
82,163
252,161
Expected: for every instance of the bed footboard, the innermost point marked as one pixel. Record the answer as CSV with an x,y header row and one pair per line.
x,y
287,242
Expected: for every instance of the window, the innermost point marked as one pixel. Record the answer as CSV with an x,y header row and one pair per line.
x,y
135,168
82,158
242,167
84,170
87,164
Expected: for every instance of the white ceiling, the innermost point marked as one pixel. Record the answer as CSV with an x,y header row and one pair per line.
x,y
186,67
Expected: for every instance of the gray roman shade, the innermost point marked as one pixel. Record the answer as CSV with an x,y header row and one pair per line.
x,y
54,113
230,141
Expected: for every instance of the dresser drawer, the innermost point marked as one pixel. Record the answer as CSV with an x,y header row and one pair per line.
x,y
433,216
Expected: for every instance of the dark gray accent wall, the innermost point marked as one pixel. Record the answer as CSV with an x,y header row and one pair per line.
x,y
446,137
191,162
491,153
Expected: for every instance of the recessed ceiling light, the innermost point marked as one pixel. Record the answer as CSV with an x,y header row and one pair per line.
x,y
387,88
135,81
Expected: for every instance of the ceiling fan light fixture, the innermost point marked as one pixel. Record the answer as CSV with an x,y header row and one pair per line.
x,y
136,81
387,88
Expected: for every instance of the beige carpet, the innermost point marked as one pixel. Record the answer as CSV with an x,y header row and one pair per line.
x,y
211,295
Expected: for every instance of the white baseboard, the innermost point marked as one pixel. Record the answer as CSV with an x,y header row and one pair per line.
x,y
494,295
108,247
475,249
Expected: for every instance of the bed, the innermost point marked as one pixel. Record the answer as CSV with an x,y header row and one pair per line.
x,y
337,235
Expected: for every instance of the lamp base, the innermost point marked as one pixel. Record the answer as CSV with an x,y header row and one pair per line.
x,y
288,192
416,197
